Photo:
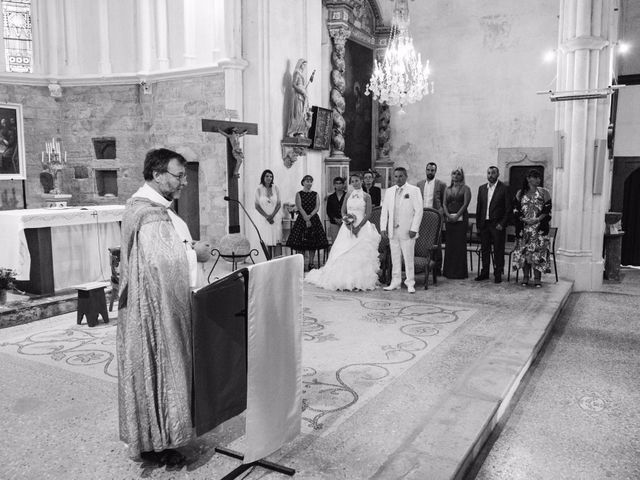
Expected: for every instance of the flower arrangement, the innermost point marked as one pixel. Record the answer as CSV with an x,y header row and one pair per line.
x,y
7,276
348,220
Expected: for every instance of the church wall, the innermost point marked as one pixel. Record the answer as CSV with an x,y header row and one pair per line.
x,y
174,113
168,117
275,35
487,64
629,63
40,118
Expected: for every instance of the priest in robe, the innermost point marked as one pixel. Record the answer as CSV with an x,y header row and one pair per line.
x,y
159,266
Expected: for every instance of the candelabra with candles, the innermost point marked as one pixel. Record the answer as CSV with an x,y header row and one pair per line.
x,y
54,160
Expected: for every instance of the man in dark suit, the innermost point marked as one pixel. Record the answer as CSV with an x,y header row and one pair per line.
x,y
334,208
492,213
432,191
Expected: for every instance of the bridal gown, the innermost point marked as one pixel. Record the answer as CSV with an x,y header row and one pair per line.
x,y
353,261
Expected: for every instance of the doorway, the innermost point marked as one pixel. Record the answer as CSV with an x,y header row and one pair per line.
x,y
631,219
188,205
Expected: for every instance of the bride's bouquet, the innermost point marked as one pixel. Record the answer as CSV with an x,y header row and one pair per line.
x,y
348,220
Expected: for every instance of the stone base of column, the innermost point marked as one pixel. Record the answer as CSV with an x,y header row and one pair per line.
x,y
384,166
336,166
579,267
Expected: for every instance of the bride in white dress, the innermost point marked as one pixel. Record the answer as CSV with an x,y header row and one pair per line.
x,y
353,262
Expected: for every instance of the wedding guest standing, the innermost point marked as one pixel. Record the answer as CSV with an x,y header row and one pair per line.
x,y
532,211
307,234
267,203
368,187
492,213
334,207
400,222
456,201
157,270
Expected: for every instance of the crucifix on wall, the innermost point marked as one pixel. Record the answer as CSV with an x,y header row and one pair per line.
x,y
233,131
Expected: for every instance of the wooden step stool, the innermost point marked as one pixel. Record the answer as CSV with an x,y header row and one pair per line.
x,y
91,302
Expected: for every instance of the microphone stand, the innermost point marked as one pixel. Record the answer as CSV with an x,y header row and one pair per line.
x,y
265,250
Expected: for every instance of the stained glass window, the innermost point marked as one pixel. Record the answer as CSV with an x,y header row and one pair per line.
x,y
16,19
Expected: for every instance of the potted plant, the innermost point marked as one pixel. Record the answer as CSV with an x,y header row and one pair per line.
x,y
7,276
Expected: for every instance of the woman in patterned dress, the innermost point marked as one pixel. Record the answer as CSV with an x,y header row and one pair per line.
x,y
307,234
267,203
532,211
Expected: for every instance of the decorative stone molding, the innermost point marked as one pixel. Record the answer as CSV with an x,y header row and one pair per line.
x,y
294,148
584,43
55,90
34,79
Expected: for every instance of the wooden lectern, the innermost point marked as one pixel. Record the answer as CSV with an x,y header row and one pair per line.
x,y
246,355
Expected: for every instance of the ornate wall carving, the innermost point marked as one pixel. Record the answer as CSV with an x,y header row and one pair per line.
x,y
338,37
359,21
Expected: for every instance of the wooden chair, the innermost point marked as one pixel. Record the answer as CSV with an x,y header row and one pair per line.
x,y
384,253
509,248
473,244
427,242
114,253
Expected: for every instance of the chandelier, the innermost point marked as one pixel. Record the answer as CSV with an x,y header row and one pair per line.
x,y
400,79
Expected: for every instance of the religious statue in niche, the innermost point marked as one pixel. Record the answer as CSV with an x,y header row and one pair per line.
x,y
233,136
300,116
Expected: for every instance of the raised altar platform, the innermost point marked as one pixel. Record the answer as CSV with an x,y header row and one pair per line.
x,y
56,248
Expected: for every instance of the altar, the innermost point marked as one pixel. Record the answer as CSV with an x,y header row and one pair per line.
x,y
53,249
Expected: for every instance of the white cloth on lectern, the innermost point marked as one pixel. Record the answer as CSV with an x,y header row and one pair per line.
x,y
274,355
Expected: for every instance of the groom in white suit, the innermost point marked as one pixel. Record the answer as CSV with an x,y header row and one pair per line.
x,y
400,221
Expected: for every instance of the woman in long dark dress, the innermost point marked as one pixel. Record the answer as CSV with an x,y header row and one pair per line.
x,y
532,211
307,234
456,201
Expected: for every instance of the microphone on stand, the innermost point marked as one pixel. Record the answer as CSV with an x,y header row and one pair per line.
x,y
265,250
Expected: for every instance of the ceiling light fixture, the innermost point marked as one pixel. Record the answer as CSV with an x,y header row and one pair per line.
x,y
401,78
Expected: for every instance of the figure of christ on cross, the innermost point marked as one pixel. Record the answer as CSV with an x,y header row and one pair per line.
x,y
233,131
236,150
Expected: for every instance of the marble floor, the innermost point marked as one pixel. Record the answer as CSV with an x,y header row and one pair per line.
x,y
428,421
578,413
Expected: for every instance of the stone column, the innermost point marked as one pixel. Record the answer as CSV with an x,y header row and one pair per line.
x,y
339,37
580,196
162,34
70,35
105,52
52,11
145,34
190,17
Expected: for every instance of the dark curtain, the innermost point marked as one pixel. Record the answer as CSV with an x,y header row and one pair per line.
x,y
631,220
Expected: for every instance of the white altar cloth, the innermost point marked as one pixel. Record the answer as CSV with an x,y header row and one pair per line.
x,y
80,236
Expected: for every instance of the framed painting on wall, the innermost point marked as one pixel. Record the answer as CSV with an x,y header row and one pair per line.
x,y
12,157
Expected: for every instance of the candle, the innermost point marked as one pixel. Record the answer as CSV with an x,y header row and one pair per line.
x,y
65,157
42,158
